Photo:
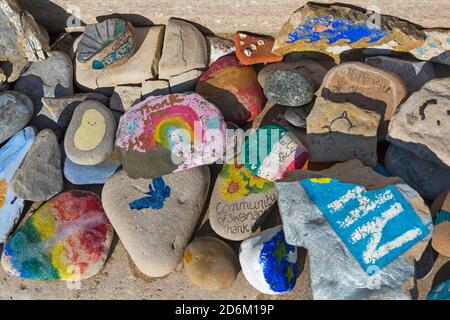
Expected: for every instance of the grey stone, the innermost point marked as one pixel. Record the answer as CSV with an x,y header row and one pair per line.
x,y
155,218
16,110
50,78
39,177
414,74
184,49
184,82
124,97
335,273
218,47
427,177
155,88
90,136
22,38
3,77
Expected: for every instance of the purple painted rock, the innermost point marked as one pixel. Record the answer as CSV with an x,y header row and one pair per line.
x,y
170,133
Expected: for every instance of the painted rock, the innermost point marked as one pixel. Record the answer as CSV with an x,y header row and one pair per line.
x,y
272,151
96,174
376,227
124,97
233,88
90,136
333,29
427,177
184,49
441,231
291,83
240,202
22,38
39,177
11,155
436,46
50,78
268,262
341,132
106,44
142,66
440,291
422,124
170,133
155,218
253,49
60,110
16,110
218,47
67,238
364,86
414,74
211,263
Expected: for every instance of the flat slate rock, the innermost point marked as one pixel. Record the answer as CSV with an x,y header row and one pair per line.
x,y
11,155
233,88
40,177
427,177
441,231
50,78
333,29
95,174
240,202
23,40
90,136
67,238
268,262
157,136
375,227
211,263
422,123
16,110
107,44
252,49
155,218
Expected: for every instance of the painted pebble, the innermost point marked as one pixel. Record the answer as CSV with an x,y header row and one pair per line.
x,y
268,262
40,177
436,46
67,238
441,231
170,133
11,155
272,151
90,136
16,110
253,49
240,201
155,218
211,263
107,44
96,174
233,88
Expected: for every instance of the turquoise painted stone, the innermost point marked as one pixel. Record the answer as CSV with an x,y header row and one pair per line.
x,y
11,155
440,292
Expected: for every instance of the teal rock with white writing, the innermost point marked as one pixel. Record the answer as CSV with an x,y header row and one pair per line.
x,y
11,155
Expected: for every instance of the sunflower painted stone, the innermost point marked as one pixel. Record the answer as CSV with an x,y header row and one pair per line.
x,y
272,151
233,88
268,262
106,44
253,49
170,133
11,155
333,29
240,202
67,238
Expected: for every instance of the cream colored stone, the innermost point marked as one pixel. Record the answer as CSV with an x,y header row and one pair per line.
x,y
155,88
184,82
124,97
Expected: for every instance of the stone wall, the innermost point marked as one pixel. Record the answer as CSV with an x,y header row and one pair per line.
x,y
222,16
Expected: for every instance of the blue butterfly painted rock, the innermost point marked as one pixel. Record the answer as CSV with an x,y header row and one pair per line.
x,y
336,28
156,196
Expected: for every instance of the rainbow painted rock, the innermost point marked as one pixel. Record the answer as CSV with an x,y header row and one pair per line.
x,y
67,238
170,133
272,151
268,262
11,155
333,29
233,88
106,44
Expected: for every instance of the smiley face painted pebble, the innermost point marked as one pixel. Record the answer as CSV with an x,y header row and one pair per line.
x,y
107,44
90,136
253,49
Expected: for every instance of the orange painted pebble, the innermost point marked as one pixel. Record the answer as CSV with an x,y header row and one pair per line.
x,y
253,49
